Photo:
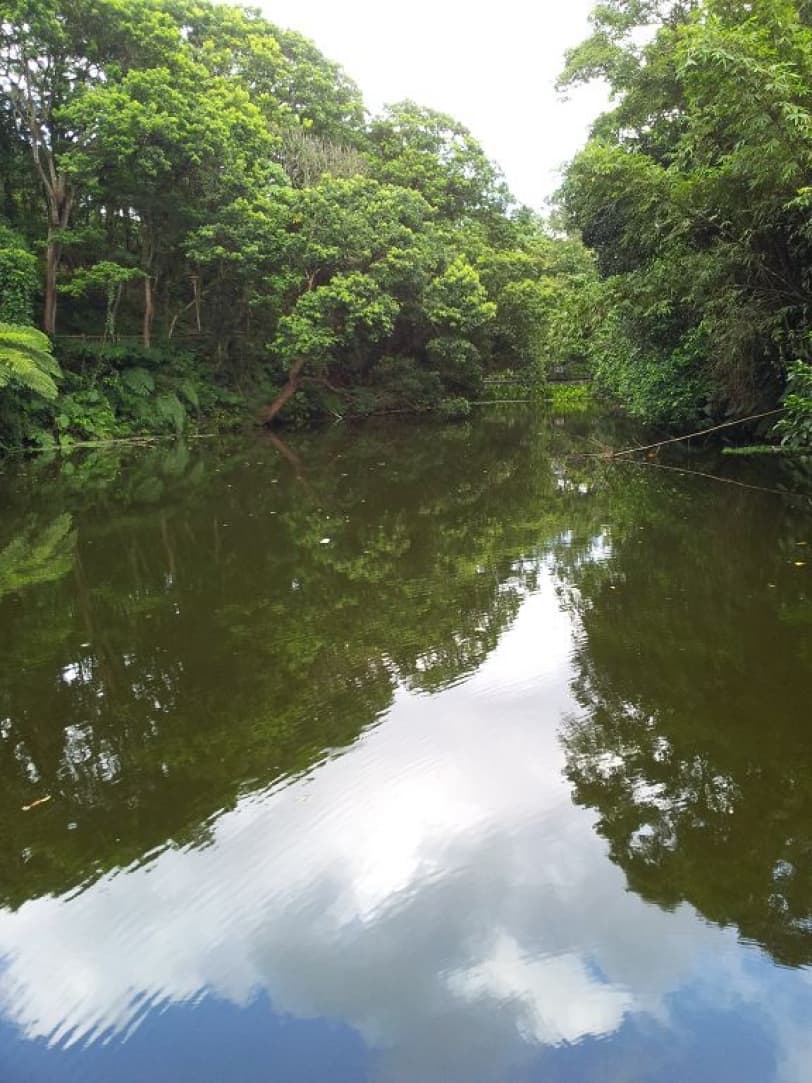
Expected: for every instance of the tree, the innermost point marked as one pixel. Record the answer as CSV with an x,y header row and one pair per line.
x,y
211,181
109,278
42,67
347,311
692,192
288,79
51,54
420,148
352,245
167,144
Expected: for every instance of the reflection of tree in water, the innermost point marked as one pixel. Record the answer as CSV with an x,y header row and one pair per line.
x,y
223,621
179,628
695,679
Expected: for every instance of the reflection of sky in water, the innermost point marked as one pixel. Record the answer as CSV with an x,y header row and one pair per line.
x,y
428,906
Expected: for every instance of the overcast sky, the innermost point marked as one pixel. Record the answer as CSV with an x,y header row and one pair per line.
x,y
491,65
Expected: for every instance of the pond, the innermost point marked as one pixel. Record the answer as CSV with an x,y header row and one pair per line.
x,y
402,752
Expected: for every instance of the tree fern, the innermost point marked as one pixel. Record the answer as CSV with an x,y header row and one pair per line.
x,y
26,360
138,380
169,408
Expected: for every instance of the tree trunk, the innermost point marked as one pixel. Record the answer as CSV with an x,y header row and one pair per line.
x,y
287,392
60,204
149,312
150,280
52,256
196,295
114,311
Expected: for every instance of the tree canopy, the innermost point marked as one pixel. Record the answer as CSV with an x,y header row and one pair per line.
x,y
187,189
693,193
192,191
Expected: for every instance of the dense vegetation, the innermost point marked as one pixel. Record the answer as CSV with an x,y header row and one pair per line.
x,y
694,193
207,225
196,207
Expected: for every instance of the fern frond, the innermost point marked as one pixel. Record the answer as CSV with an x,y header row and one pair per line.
x,y
188,389
138,380
168,407
26,360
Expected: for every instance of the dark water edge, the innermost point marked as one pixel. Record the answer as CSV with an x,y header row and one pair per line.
x,y
406,751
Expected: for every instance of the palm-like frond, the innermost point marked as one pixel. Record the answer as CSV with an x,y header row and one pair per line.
x,y
26,360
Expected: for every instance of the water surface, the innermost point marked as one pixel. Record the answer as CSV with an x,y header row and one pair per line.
x,y
404,752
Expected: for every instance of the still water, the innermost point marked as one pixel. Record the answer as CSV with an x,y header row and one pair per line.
x,y
404,753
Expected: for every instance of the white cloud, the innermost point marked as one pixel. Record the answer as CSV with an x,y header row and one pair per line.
x,y
556,998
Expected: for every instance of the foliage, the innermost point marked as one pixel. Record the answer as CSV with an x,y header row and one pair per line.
x,y
195,174
308,158
693,194
26,361
746,450
108,277
18,279
453,409
419,148
570,398
795,427
402,382
116,391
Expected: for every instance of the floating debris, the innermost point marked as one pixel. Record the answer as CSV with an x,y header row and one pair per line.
x,y
40,801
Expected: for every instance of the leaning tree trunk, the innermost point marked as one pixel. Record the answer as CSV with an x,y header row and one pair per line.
x,y
287,392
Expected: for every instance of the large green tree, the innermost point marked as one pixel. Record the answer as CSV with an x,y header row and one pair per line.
x,y
51,55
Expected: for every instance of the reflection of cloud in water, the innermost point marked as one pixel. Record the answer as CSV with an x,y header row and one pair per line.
x,y
557,999
434,887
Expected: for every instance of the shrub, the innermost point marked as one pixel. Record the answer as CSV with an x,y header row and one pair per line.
x,y
456,409
795,427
